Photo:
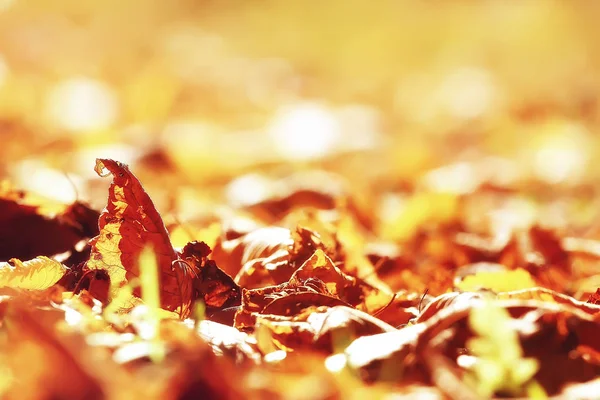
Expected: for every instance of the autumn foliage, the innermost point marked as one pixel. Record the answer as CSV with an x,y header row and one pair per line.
x,y
492,320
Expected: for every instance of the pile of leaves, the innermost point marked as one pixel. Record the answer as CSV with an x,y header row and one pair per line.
x,y
300,295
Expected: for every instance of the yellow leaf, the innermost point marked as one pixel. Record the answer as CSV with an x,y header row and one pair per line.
x,y
182,235
416,210
37,274
498,281
123,301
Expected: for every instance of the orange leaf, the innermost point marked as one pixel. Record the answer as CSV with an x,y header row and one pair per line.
x,y
129,223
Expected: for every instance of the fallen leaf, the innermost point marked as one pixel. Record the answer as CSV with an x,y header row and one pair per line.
x,y
267,256
26,234
352,290
37,274
548,295
320,328
285,299
129,223
458,300
497,281
227,340
212,285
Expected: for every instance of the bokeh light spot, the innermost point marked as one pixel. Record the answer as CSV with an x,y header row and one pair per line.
x,y
81,104
306,131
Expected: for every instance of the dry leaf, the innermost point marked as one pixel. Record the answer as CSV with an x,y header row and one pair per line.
x,y
130,223
37,274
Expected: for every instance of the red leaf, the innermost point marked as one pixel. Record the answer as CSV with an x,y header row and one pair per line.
x,y
128,224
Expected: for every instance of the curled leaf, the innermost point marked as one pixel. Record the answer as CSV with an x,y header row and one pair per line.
x,y
456,300
266,256
549,296
287,299
386,355
211,284
352,290
320,328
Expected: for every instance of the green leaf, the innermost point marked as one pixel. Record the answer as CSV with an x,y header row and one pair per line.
x,y
149,278
500,366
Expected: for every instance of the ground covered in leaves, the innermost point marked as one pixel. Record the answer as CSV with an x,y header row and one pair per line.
x,y
308,306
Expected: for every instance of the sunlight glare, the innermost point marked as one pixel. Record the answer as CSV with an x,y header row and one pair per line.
x,y
73,317
35,176
564,156
275,356
335,363
247,190
306,131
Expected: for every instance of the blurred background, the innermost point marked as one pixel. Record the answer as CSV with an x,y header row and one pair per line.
x,y
214,102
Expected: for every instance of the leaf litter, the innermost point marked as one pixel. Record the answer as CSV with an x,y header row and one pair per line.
x,y
323,299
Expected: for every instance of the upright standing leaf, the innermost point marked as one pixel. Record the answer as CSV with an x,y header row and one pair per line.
x,y
128,224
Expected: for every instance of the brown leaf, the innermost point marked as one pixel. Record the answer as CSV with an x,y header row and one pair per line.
x,y
317,282
540,251
211,284
453,299
96,282
26,234
231,252
322,328
403,307
352,290
285,299
266,256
